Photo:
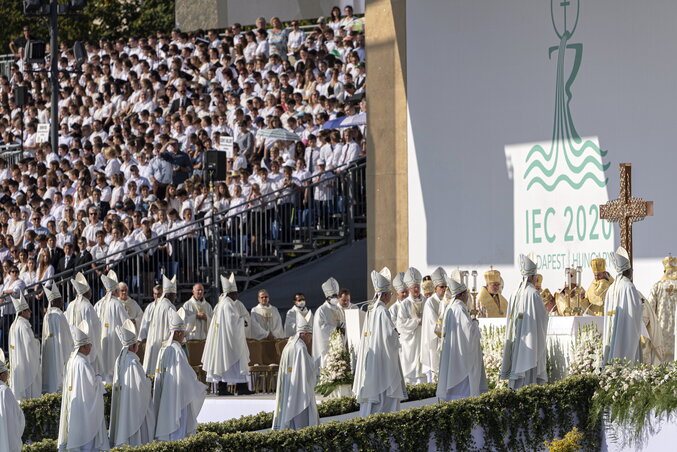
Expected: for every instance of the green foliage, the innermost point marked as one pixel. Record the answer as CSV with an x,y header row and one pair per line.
x,y
100,19
512,421
47,445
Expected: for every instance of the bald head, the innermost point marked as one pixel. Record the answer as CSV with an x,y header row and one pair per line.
x,y
198,291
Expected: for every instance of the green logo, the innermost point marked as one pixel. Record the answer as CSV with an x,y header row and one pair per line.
x,y
566,144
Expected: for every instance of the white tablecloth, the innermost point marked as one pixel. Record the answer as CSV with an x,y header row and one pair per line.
x,y
561,334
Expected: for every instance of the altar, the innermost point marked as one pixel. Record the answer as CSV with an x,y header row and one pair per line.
x,y
560,338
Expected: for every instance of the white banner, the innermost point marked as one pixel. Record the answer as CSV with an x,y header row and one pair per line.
x,y
558,187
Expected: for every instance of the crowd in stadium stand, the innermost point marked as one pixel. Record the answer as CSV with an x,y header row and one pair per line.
x,y
136,120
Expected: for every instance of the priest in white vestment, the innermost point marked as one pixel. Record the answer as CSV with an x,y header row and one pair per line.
x,y
177,394
461,364
82,426
111,315
225,359
132,419
12,421
158,324
295,405
663,299
623,309
430,341
202,310
379,385
327,319
57,342
408,323
401,293
81,309
266,320
524,354
133,309
298,308
25,379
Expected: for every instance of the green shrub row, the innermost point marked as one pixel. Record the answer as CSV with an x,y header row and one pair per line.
x,y
511,421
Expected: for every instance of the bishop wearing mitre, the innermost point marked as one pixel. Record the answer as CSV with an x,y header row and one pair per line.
x,y
225,358
12,421
663,299
430,341
461,364
112,314
623,308
571,300
379,385
295,405
598,287
524,353
132,419
200,307
57,342
81,309
157,323
24,354
327,318
177,394
82,426
408,323
492,303
401,293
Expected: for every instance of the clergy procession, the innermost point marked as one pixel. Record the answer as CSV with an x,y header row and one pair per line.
x,y
407,335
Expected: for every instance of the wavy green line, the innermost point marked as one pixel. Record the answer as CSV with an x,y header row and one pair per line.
x,y
567,179
576,169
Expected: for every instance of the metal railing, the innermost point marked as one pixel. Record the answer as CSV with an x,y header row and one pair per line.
x,y
256,239
11,153
6,62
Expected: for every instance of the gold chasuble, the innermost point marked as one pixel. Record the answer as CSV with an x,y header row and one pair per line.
x,y
493,305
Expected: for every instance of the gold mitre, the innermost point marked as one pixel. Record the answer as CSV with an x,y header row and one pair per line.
x,y
670,263
492,276
539,279
598,265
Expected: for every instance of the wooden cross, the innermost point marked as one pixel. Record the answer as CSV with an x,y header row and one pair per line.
x,y
626,209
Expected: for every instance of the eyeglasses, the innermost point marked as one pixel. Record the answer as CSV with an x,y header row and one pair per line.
x,y
14,271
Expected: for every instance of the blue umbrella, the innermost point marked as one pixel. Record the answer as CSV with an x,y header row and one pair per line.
x,y
359,119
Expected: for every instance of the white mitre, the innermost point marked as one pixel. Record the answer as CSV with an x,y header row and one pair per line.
x,y
303,322
110,281
80,284
621,260
20,303
52,294
412,277
455,284
330,288
168,285
381,280
81,336
127,333
228,285
527,265
398,282
438,276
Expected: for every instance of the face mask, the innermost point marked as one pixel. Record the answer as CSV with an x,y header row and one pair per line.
x,y
301,304
333,301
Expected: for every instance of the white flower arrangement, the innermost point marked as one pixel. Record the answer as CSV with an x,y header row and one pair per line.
x,y
336,370
492,341
586,351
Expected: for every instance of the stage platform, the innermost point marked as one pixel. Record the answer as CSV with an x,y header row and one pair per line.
x,y
220,409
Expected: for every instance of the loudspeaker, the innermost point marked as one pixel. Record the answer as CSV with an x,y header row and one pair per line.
x,y
80,53
35,51
21,96
215,165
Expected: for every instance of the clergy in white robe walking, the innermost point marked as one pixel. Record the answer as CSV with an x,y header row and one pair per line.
x,y
379,384
81,309
111,315
430,341
12,421
524,353
225,359
327,319
82,426
461,365
24,354
202,310
132,419
266,320
408,323
57,343
158,324
623,309
401,294
177,394
298,308
295,405
133,309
